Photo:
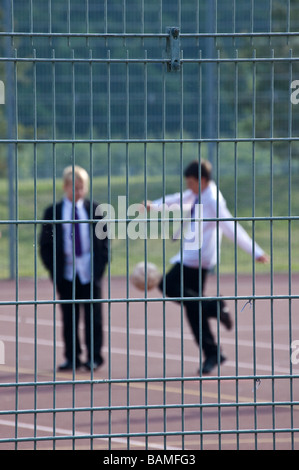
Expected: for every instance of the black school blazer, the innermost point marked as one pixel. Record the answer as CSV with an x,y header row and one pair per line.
x,y
100,247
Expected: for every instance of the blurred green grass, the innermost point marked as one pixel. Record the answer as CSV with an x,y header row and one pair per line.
x,y
275,196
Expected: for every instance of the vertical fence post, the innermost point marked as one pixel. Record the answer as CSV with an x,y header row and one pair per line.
x,y
210,83
9,112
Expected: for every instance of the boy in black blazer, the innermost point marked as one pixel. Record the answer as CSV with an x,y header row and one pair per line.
x,y
60,243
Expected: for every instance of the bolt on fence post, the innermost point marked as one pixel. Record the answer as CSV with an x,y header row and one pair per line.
x,y
173,49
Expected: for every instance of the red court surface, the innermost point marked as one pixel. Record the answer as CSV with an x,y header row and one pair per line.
x,y
230,412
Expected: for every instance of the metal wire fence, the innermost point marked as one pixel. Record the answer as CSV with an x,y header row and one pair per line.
x,y
133,91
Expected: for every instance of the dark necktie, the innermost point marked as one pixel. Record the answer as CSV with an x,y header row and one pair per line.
x,y
192,214
78,247
193,207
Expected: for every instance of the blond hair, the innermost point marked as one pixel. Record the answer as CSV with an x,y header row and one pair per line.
x,y
79,173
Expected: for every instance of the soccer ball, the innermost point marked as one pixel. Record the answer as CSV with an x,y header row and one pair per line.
x,y
138,276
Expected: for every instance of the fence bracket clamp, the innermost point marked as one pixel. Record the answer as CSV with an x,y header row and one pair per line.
x,y
173,49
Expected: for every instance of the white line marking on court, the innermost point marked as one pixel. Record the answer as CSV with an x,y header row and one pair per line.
x,y
158,356
171,334
67,432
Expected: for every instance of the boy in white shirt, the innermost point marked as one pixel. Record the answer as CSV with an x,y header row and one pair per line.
x,y
196,264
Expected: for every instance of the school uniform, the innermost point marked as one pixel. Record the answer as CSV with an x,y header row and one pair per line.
x,y
80,280
195,260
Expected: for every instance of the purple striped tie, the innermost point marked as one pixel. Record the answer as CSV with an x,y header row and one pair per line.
x,y
78,247
193,207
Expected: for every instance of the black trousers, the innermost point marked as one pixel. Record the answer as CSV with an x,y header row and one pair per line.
x,y
92,319
199,322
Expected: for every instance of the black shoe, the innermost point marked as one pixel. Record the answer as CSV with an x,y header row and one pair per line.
x,y
211,362
68,365
225,317
94,365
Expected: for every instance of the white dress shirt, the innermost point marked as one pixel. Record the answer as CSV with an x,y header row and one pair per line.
x,y
208,237
82,263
